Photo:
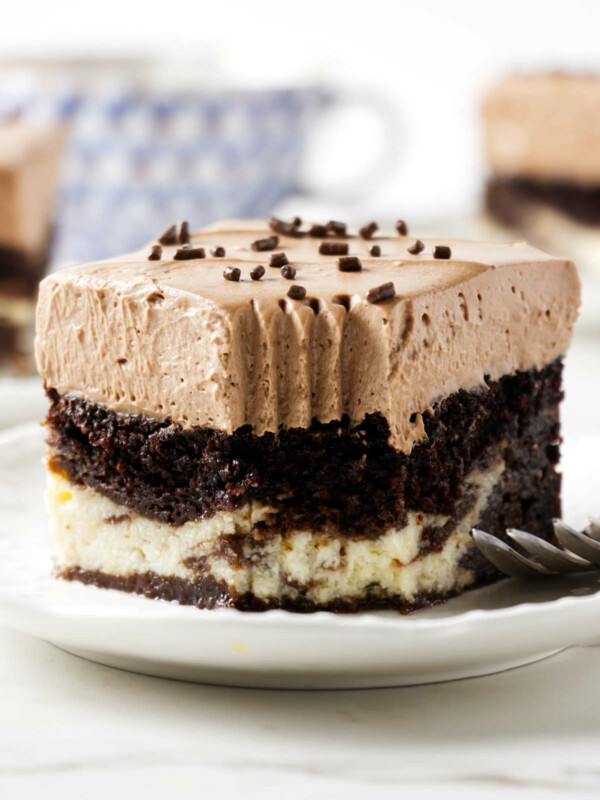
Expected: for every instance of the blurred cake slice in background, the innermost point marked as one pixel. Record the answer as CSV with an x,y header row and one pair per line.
x,y
30,156
542,146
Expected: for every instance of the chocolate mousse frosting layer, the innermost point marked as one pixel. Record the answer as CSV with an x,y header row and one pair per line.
x,y
176,339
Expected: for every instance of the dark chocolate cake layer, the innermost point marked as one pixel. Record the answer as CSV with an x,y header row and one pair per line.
x,y
21,272
20,275
507,199
8,340
326,474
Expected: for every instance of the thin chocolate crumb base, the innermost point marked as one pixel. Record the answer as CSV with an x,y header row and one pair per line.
x,y
328,474
206,593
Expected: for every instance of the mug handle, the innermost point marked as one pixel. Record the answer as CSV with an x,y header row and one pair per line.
x,y
380,166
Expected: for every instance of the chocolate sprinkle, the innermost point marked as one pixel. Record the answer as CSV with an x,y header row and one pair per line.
x,y
270,243
278,260
368,230
349,264
286,228
289,272
169,236
318,231
333,248
297,292
232,273
187,253
257,272
217,252
155,253
336,228
383,292
375,250
184,232
416,247
442,251
402,227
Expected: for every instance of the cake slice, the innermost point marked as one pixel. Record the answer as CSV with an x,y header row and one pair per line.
x,y
284,416
29,166
542,146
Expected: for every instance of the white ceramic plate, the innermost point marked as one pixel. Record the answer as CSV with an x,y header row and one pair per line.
x,y
484,631
21,400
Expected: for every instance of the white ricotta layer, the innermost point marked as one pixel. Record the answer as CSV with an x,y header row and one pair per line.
x,y
96,534
16,311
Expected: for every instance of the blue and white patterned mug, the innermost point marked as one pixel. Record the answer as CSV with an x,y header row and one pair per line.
x,y
140,157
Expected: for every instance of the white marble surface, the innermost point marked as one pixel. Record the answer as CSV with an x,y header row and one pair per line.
x,y
70,728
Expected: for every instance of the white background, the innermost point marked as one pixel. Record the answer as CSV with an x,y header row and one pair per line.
x,y
431,58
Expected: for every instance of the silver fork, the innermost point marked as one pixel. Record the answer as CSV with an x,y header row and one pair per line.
x,y
580,551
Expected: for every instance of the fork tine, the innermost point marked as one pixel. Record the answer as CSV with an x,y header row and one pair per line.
x,y
576,542
593,529
505,558
547,554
